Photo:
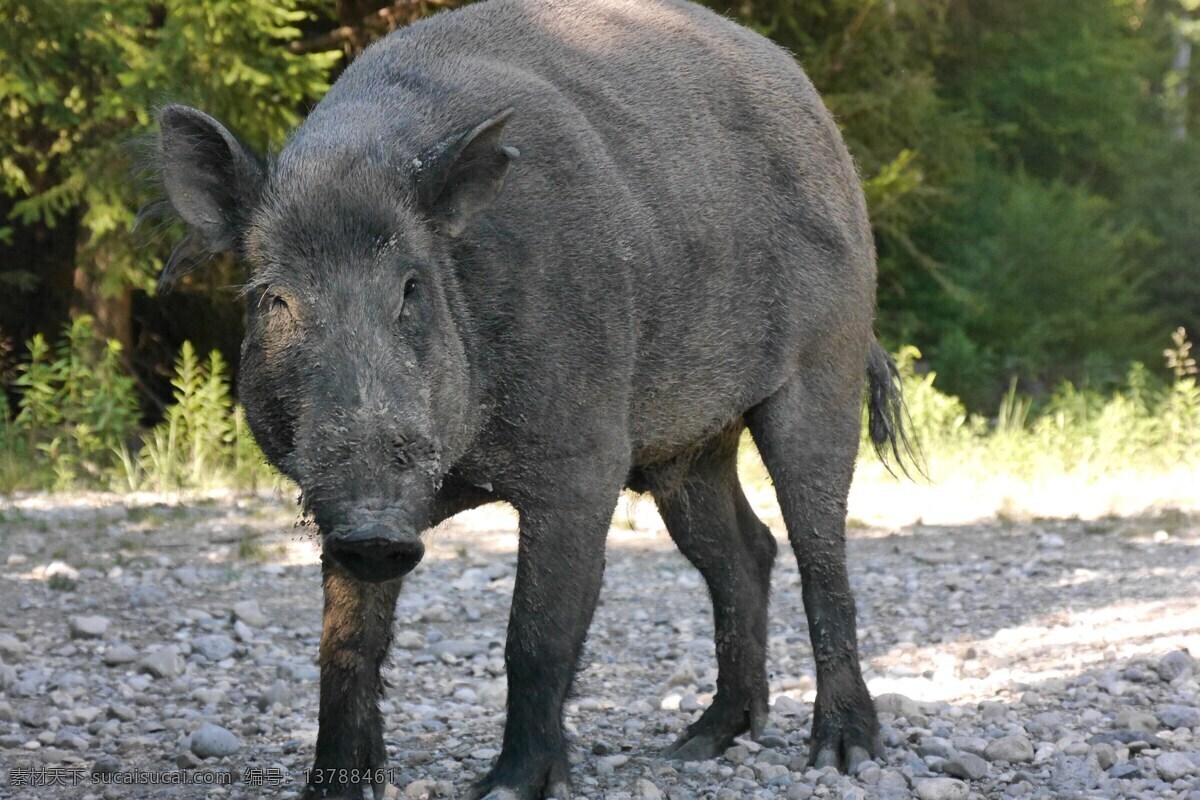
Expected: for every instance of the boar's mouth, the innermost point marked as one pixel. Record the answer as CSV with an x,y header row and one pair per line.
x,y
375,551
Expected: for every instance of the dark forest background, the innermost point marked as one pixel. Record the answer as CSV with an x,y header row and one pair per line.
x,y
1033,167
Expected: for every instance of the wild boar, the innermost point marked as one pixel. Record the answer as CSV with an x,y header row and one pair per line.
x,y
538,251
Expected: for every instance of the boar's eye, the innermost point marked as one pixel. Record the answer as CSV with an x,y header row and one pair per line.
x,y
407,308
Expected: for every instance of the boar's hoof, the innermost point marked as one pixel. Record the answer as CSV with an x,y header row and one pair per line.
x,y
847,737
545,783
709,736
375,553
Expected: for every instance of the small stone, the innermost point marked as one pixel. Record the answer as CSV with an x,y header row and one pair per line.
x,y
1173,766
967,766
163,663
607,765
417,790
1013,749
683,675
300,672
87,627
738,754
410,640
788,706
243,632
213,740
214,647
278,693
936,746
1125,771
941,789
188,760
800,791
648,791
105,766
1174,665
119,654
33,716
1105,754
122,712
1177,716
11,646
459,648
249,612
1133,719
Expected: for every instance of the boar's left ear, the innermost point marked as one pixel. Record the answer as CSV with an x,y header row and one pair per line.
x,y
210,179
466,175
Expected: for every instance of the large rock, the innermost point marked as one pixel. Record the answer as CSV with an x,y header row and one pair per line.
x,y
213,740
87,627
1013,749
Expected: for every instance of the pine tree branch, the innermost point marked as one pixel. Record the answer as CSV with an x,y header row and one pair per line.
x,y
354,37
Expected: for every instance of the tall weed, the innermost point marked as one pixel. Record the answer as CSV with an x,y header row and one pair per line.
x,y
77,408
203,441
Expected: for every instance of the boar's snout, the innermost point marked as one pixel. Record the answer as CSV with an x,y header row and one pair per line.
x,y
375,552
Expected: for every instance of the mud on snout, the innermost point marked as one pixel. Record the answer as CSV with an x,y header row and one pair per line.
x,y
376,546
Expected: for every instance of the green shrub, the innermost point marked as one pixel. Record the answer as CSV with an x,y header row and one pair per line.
x,y
1148,424
1049,292
203,440
77,405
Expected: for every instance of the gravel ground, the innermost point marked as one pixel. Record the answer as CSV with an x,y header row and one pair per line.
x,y
1009,659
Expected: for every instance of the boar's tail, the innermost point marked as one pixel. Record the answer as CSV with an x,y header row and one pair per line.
x,y
888,422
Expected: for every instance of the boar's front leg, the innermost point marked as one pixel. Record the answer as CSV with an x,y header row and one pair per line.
x,y
560,564
355,636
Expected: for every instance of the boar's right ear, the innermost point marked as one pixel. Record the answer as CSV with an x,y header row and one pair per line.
x,y
465,175
210,179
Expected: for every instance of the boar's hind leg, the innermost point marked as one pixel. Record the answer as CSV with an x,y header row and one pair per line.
x,y
560,564
713,525
357,631
808,434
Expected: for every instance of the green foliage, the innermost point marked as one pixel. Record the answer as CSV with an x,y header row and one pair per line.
x,y
1148,424
1049,293
203,441
1057,86
78,424
79,78
77,404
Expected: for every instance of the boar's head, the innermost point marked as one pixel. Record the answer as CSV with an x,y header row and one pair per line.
x,y
354,373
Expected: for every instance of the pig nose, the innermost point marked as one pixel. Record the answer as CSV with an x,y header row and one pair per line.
x,y
375,553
